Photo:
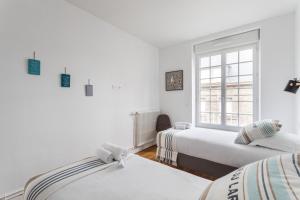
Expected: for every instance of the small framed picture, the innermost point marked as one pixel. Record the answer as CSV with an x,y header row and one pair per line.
x,y
34,67
65,80
174,80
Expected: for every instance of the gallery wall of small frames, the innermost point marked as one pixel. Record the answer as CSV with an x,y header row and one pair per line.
x,y
34,67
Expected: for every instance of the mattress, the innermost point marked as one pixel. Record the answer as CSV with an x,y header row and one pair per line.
x,y
218,146
140,179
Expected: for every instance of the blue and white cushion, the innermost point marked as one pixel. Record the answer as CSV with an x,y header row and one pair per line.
x,y
258,130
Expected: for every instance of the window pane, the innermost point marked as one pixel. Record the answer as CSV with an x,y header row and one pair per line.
x,y
205,118
205,106
246,91
216,83
246,68
216,95
231,92
232,107
232,70
204,62
216,106
246,98
246,55
232,57
232,97
215,60
232,120
205,83
245,119
245,81
215,118
216,72
232,82
204,92
204,98
246,107
205,73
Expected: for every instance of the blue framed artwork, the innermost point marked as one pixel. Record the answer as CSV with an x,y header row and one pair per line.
x,y
34,67
65,80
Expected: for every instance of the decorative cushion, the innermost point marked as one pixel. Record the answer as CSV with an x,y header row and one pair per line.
x,y
274,178
257,130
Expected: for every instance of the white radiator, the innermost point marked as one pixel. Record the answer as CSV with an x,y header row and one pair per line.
x,y
145,124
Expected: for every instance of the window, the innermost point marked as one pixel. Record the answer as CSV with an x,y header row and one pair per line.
x,y
227,88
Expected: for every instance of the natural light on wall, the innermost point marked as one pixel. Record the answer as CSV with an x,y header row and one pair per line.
x,y
225,87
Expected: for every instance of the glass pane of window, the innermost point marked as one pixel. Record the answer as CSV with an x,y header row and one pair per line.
x,y
215,106
232,82
246,68
246,107
232,107
215,95
215,118
204,62
231,92
216,72
246,55
205,83
205,118
232,120
204,92
205,106
245,91
245,119
232,98
205,73
232,57
245,81
232,70
215,60
204,98
215,83
245,98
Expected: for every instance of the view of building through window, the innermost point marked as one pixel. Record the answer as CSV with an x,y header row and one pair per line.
x,y
226,88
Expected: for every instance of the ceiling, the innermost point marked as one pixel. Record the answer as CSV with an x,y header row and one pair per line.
x,y
167,22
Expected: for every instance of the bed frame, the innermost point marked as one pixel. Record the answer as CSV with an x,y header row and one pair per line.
x,y
202,167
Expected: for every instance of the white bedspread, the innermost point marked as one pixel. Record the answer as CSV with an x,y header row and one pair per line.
x,y
218,146
140,179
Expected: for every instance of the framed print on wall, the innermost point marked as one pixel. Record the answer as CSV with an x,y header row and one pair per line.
x,y
174,80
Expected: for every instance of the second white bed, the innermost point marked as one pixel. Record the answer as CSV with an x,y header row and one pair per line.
x,y
218,146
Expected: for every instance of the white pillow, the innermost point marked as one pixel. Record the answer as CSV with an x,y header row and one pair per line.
x,y
281,141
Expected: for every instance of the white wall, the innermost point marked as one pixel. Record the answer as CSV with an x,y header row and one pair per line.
x,y
43,126
277,67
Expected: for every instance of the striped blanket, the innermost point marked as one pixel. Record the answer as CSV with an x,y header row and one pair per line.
x,y
166,147
43,186
276,178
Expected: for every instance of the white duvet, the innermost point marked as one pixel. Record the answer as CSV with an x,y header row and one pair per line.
x,y
141,179
218,146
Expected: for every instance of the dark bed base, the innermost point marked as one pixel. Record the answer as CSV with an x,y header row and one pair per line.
x,y
203,167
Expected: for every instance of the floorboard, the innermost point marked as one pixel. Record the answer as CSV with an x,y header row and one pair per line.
x,y
150,153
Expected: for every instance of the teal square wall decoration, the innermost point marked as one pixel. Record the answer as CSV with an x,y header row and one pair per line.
x,y
65,80
34,67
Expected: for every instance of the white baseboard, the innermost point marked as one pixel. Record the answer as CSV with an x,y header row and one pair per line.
x,y
12,195
142,147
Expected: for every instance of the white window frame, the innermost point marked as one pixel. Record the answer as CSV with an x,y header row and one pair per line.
x,y
256,89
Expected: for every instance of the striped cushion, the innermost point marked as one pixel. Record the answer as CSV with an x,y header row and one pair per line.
x,y
257,130
274,178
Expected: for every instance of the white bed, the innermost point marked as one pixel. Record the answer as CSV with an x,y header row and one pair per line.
x,y
140,179
218,146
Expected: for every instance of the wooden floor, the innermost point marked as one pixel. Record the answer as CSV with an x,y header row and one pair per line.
x,y
150,153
